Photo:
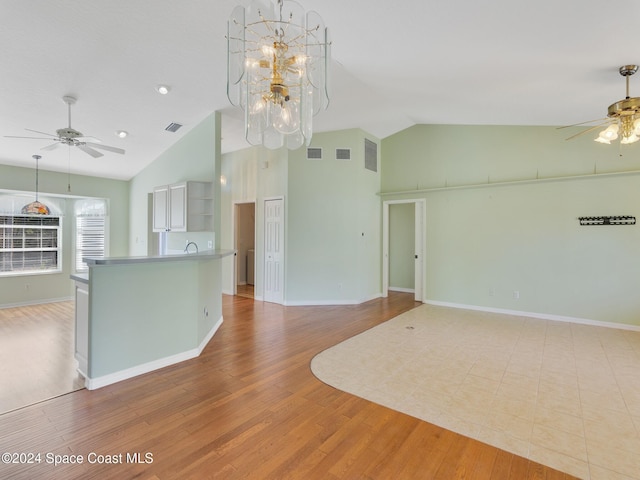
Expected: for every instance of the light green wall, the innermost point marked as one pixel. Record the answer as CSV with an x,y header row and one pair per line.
x,y
24,289
401,246
333,222
369,213
148,312
193,157
486,241
131,321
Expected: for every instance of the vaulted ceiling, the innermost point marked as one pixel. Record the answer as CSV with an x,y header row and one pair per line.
x,y
395,64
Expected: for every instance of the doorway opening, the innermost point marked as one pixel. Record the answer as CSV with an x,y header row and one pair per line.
x,y
245,240
403,247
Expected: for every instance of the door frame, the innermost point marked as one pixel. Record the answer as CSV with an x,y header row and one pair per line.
x,y
234,222
420,219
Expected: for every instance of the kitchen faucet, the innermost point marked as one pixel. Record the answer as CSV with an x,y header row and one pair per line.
x,y
186,249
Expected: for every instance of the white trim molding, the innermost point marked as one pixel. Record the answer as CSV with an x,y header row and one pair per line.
x,y
401,289
542,316
103,381
321,303
36,302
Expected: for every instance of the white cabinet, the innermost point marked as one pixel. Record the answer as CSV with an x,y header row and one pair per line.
x,y
82,326
183,207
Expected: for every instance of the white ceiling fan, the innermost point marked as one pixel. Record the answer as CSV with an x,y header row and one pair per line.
x,y
71,137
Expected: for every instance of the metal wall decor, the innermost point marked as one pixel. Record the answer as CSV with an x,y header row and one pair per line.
x,y
615,220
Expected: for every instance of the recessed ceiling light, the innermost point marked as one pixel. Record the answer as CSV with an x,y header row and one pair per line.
x,y
121,133
163,89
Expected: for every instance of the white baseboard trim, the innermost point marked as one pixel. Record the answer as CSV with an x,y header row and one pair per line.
x,y
321,303
372,297
209,335
542,316
35,302
103,381
317,303
400,289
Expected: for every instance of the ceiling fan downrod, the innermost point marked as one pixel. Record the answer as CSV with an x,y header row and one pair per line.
x,y
626,71
69,100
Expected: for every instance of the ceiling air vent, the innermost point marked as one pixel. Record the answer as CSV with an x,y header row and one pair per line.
x,y
343,154
370,155
173,127
314,153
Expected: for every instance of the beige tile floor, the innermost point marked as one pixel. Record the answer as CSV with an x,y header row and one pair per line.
x,y
562,394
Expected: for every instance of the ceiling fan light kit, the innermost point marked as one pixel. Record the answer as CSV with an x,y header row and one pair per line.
x,y
624,114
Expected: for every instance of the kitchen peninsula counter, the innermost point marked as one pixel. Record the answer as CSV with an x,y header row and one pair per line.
x,y
204,255
137,314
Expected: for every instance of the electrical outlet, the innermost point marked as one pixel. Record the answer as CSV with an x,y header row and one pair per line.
x,y
492,292
516,294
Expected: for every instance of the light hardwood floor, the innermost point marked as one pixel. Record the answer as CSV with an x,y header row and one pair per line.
x,y
245,291
249,407
36,354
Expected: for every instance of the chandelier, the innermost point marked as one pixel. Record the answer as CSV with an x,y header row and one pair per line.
x,y
278,57
624,116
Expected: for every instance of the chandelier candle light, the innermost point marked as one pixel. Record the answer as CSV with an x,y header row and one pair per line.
x,y
278,57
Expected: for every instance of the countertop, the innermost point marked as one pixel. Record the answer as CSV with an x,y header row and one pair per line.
x,y
80,277
204,255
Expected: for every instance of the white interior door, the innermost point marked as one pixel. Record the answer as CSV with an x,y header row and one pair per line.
x,y
274,250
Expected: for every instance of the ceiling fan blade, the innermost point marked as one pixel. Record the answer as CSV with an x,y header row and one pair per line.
x,y
32,138
89,150
105,147
53,146
88,138
585,131
582,123
42,133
